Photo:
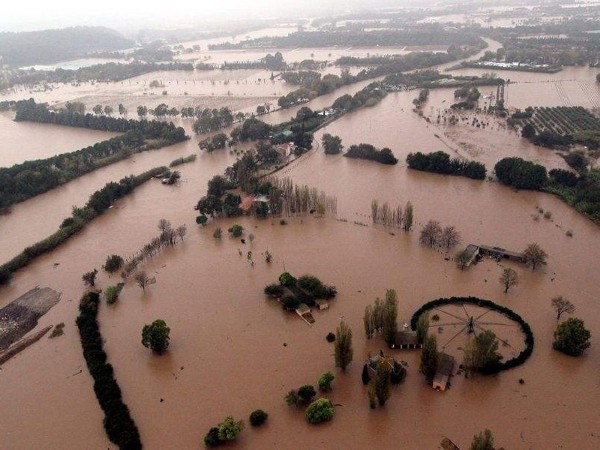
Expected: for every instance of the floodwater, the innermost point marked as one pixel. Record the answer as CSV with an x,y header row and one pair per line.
x,y
26,141
233,351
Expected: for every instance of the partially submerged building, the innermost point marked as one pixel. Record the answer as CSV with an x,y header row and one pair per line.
x,y
406,340
446,365
473,252
304,312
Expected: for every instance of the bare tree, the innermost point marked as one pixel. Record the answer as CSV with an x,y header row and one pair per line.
x,y
181,231
509,278
163,225
450,237
535,256
142,279
431,233
89,278
561,305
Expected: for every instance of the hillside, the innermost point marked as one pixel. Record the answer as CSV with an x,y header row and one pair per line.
x,y
50,46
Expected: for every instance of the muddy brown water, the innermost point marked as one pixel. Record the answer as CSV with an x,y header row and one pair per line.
x,y
26,141
227,354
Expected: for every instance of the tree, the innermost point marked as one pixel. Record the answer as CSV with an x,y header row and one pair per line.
x,y
365,375
431,233
201,219
236,230
292,398
142,279
287,279
422,327
429,358
218,233
156,336
306,393
534,256
528,131
325,382
332,145
368,322
449,237
481,353
382,380
407,220
212,438
509,278
142,111
571,337
390,314
108,110
343,346
113,263
97,110
561,305
484,440
462,259
258,417
89,278
321,410
122,109
229,429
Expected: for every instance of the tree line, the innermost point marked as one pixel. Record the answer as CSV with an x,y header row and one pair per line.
x,y
440,162
371,153
23,181
97,203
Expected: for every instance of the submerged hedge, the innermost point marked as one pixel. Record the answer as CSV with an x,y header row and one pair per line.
x,y
118,423
509,364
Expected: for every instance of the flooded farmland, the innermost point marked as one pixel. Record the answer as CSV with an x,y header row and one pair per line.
x,y
232,350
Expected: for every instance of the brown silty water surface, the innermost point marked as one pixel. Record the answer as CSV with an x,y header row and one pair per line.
x,y
227,353
26,141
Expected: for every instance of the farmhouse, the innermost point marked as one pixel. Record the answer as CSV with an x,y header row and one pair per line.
x,y
406,340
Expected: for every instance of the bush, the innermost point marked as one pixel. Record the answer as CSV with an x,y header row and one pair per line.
x,y
258,417
112,293
325,382
306,393
274,290
113,263
330,337
286,279
212,438
321,410
236,230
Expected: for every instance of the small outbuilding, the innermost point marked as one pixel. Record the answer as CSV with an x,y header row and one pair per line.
x,y
406,340
445,370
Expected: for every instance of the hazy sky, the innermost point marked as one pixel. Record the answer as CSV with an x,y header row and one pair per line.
x,y
19,15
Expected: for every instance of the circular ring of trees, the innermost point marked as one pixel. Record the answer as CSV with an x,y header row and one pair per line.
x,y
509,313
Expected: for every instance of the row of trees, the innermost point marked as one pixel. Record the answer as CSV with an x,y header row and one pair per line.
x,y
369,152
433,235
385,215
440,162
381,318
98,202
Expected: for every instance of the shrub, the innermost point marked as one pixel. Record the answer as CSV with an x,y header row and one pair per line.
x,y
258,417
113,263
212,438
236,230
321,410
292,398
306,393
286,279
112,293
218,233
325,382
274,290
330,337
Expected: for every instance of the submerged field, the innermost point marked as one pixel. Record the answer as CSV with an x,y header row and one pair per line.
x,y
227,354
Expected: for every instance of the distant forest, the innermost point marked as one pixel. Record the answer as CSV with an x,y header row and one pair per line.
x,y
51,46
420,35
